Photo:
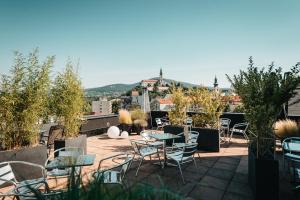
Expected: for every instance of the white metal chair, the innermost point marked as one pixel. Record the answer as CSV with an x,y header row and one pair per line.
x,y
286,151
142,149
149,140
115,174
224,128
182,155
239,128
63,152
159,124
192,138
7,177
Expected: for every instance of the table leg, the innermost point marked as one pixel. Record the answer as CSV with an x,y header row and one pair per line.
x,y
165,154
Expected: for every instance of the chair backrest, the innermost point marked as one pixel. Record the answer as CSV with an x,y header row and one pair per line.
x,y
193,137
126,165
241,127
145,135
158,121
135,146
225,122
6,174
55,132
189,150
189,121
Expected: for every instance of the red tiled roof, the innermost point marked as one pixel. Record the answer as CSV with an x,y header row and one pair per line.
x,y
165,101
152,81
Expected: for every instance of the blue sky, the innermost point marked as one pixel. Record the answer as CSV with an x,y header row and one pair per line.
x,y
124,41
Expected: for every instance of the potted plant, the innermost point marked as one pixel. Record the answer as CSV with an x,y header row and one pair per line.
x,y
23,100
209,107
139,119
67,104
264,92
125,120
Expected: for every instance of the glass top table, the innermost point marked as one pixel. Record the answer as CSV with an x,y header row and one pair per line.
x,y
71,161
164,137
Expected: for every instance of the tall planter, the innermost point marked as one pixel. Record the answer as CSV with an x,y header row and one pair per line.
x,y
36,154
79,141
208,140
263,177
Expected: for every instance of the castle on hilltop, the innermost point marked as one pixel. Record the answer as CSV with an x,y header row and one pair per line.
x,y
159,83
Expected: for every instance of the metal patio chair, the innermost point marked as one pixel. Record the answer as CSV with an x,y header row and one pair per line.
x,y
66,172
55,132
224,128
239,128
286,151
7,177
150,141
192,138
142,150
115,174
182,155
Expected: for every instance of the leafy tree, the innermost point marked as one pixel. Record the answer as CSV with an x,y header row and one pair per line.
x,y
23,100
116,106
67,100
264,91
177,115
209,105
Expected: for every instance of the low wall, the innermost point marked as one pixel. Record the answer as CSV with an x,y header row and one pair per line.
x,y
98,124
234,117
37,155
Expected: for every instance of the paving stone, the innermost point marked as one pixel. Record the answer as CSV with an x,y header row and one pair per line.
x,y
206,193
230,160
226,166
214,182
220,173
240,177
239,188
234,196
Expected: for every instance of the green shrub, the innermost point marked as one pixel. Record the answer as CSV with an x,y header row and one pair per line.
x,y
177,115
67,100
23,100
209,105
139,117
264,91
286,128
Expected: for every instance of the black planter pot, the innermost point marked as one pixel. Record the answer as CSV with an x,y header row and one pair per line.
x,y
79,141
263,177
136,128
208,140
126,127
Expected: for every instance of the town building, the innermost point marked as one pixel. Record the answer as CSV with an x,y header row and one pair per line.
x,y
102,107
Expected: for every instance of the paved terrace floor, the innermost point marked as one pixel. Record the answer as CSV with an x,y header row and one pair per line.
x,y
221,175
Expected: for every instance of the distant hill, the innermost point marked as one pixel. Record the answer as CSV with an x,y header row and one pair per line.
x,y
122,88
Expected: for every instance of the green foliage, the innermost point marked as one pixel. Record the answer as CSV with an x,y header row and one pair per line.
x,y
263,92
23,100
178,115
67,100
139,117
239,109
209,105
116,105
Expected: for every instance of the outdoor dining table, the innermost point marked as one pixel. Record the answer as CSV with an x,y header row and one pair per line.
x,y
61,162
164,137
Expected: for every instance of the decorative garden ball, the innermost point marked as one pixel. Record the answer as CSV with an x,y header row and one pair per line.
x,y
113,132
124,134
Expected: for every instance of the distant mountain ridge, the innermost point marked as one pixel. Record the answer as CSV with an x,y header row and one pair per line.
x,y
122,88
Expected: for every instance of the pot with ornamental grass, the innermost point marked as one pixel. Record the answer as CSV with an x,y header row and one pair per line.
x,y
264,91
23,99
125,120
67,104
139,119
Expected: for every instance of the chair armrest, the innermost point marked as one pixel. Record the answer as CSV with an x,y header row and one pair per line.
x,y
30,184
107,158
9,181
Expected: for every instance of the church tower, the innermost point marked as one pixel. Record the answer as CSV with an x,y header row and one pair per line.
x,y
160,77
216,88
